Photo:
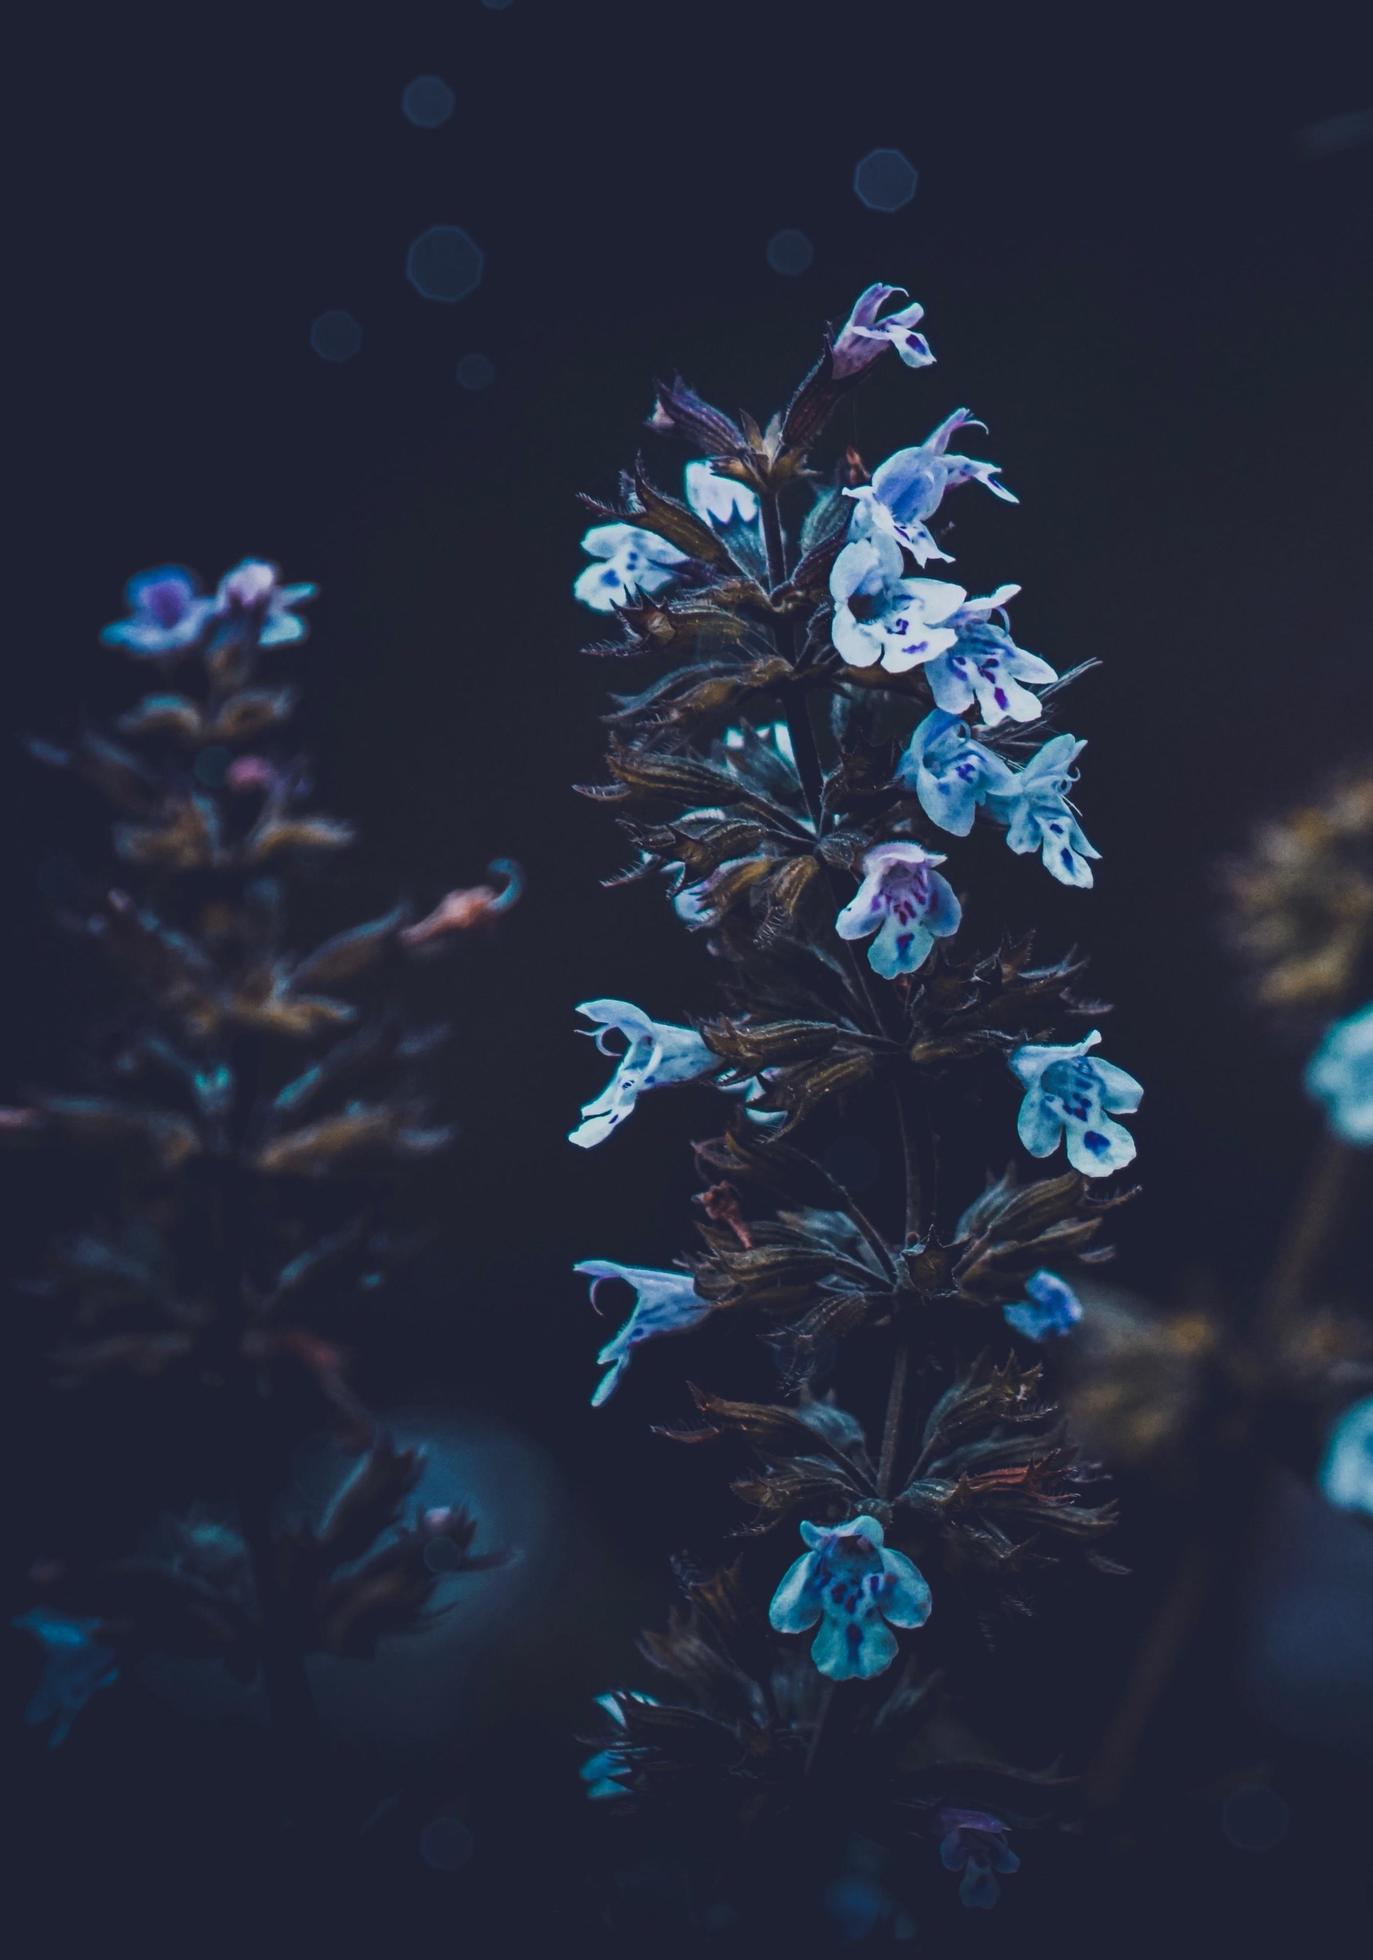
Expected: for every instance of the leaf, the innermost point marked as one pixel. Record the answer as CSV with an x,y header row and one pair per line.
x,y
680,411
170,1139
164,714
316,1148
347,953
276,834
187,838
250,712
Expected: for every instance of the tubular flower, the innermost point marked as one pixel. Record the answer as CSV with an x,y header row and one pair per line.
x,y
253,595
1039,816
985,665
635,561
656,1056
907,489
1067,1094
167,612
905,902
1340,1074
880,615
1052,1308
974,1843
854,1586
664,1303
950,773
719,499
864,338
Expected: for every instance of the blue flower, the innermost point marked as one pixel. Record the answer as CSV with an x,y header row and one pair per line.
x,y
635,561
974,1843
1347,1473
905,902
1340,1075
252,595
1039,816
664,1303
656,1055
1052,1308
881,615
75,1667
949,772
864,338
167,612
985,665
1067,1093
853,1585
719,499
603,1772
908,487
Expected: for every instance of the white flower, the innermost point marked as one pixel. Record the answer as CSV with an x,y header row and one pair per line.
x,y
719,499
635,561
908,487
950,773
1067,1092
1347,1473
1340,1075
880,615
1039,816
985,665
664,1303
656,1056
905,902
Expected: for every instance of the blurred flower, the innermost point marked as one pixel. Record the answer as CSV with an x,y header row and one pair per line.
x,y
880,615
167,612
1039,816
1340,1074
1302,898
664,1303
602,1773
974,1843
249,772
75,1667
906,903
853,1585
718,499
908,488
1346,1477
1052,1308
657,1055
949,772
471,906
864,338
1067,1093
987,666
253,593
635,561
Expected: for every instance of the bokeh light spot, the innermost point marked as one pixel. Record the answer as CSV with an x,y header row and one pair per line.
x,y
1254,1818
885,180
790,252
444,263
428,101
336,335
475,371
446,1844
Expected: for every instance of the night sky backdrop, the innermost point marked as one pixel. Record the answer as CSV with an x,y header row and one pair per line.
x,y
1144,251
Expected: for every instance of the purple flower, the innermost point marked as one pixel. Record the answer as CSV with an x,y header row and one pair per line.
x,y
1052,1308
985,665
664,1303
253,596
167,612
974,1843
863,337
853,1585
950,773
905,902
907,489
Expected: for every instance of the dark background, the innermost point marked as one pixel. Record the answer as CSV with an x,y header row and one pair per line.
x,y
1143,247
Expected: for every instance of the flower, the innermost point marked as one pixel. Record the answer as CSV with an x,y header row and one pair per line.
x,y
1039,815
1066,1095
167,612
853,1585
657,1055
906,903
908,487
664,1303
987,666
949,772
1347,1473
863,337
974,1843
253,594
1340,1074
719,499
602,1772
75,1667
635,561
470,905
880,615
1052,1308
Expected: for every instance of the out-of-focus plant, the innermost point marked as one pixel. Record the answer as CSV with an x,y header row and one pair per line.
x,y
257,1090
826,759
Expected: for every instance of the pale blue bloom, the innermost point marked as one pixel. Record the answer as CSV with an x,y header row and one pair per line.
x,y
664,1303
167,612
635,561
974,1843
1052,1308
719,499
656,1055
252,594
1039,816
985,665
853,1584
1340,1074
1347,1473
75,1667
950,773
864,338
1067,1094
905,902
907,489
881,615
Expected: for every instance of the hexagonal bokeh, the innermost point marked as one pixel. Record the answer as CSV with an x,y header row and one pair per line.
x,y
475,371
790,252
885,180
427,102
336,335
444,263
